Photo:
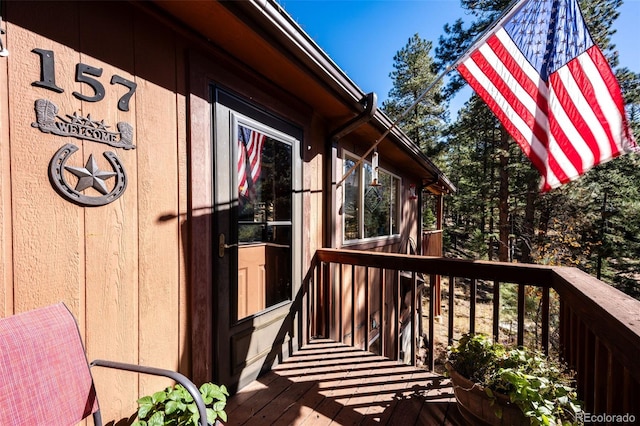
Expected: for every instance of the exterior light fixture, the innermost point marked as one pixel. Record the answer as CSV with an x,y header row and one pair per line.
x,y
412,191
374,169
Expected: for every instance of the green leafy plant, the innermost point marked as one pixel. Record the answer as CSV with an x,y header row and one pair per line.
x,y
541,386
175,406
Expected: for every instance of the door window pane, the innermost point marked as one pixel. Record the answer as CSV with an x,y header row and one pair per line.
x,y
264,221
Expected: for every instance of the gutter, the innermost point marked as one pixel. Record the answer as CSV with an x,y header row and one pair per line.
x,y
369,102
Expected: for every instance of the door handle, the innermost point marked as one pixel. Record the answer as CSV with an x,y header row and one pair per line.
x,y
222,247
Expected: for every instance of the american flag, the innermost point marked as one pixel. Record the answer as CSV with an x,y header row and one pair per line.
x,y
541,74
250,145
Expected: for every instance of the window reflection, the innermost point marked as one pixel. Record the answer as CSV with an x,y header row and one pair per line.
x,y
264,221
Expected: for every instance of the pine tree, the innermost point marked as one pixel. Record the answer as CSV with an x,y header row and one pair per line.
x,y
414,71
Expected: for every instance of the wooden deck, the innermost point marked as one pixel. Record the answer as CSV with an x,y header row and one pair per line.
x,y
331,383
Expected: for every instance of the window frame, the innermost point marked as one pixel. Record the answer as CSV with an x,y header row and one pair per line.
x,y
395,208
237,118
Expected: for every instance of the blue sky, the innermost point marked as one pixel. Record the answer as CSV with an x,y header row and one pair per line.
x,y
362,36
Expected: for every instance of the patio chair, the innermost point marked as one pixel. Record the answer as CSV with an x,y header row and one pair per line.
x,y
44,375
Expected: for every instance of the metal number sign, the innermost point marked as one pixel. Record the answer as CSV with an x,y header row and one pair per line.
x,y
83,128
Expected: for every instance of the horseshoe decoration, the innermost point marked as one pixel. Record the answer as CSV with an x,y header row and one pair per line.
x,y
89,176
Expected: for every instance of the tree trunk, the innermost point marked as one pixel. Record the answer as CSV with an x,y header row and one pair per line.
x,y
529,215
503,202
543,224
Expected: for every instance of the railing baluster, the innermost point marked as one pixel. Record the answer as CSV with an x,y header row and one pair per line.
x,y
630,392
412,313
432,328
341,302
545,319
564,331
520,337
571,336
313,302
496,310
366,308
602,370
472,305
383,314
353,305
326,300
398,306
304,324
614,383
580,359
590,366
452,302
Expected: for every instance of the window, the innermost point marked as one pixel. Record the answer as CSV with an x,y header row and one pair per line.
x,y
369,211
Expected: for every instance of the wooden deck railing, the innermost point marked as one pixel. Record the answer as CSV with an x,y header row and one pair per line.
x,y
356,297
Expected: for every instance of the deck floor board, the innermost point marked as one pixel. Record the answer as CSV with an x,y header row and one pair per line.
x,y
328,383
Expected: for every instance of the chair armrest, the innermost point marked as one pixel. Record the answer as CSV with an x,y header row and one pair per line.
x,y
180,378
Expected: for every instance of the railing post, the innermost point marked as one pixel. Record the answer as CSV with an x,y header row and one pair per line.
x,y
496,310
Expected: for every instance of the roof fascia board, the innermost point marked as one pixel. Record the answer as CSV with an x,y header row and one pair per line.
x,y
285,29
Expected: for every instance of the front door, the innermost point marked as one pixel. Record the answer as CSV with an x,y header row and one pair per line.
x,y
257,175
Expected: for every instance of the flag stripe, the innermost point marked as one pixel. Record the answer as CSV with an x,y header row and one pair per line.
x,y
566,122
514,124
242,172
599,136
254,151
250,147
610,98
522,71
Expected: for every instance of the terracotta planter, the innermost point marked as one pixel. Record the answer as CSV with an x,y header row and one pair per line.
x,y
476,406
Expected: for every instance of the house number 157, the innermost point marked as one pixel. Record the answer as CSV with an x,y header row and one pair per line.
x,y
84,74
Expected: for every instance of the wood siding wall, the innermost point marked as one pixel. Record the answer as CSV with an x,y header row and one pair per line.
x,y
120,268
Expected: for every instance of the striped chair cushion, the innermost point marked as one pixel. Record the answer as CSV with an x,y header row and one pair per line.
x,y
44,374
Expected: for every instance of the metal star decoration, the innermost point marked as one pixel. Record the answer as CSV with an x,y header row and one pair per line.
x,y
90,176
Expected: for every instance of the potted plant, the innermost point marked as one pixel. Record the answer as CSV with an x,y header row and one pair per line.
x,y
496,385
175,406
